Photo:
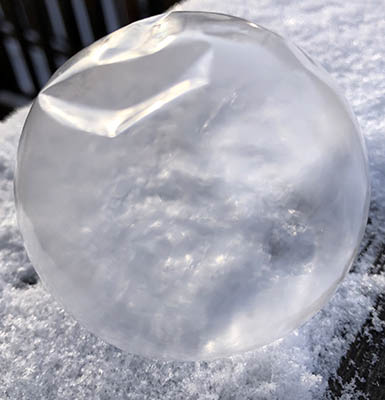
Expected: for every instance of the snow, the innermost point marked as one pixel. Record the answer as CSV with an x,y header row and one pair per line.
x,y
44,353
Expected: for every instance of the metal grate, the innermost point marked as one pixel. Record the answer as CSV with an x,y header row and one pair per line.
x,y
37,36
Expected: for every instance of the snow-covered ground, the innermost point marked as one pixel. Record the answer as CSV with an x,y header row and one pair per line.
x,y
45,354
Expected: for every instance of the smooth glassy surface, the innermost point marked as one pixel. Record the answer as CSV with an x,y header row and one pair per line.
x,y
191,186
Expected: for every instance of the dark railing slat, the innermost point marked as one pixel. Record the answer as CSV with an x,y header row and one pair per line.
x,y
168,3
95,14
19,66
8,78
69,20
155,7
128,11
40,22
13,14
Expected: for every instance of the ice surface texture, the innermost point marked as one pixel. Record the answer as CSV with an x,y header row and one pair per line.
x,y
191,186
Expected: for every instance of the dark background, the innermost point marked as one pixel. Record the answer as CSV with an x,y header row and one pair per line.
x,y
37,36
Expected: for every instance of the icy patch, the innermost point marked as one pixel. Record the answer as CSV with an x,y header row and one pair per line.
x,y
195,194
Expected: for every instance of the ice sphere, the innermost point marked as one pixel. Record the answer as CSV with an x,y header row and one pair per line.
x,y
191,186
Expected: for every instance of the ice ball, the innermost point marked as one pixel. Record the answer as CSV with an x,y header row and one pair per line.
x,y
191,186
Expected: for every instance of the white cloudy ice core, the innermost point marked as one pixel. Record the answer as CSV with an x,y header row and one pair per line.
x,y
191,187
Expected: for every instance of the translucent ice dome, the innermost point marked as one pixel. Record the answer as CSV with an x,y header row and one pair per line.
x,y
191,186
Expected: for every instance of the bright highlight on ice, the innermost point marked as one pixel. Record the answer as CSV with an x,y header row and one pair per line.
x,y
191,186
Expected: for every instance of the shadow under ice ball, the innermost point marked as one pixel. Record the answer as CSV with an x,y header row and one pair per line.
x,y
191,186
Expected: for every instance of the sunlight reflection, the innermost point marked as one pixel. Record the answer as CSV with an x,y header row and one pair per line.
x,y
111,123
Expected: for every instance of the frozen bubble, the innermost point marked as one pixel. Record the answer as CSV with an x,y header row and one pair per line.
x,y
191,186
